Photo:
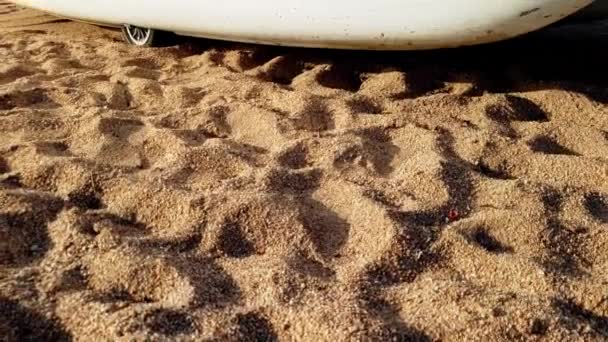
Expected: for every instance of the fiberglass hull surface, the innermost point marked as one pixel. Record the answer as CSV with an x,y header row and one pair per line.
x,y
349,24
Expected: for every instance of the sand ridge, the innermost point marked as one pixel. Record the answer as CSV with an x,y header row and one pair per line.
x,y
217,191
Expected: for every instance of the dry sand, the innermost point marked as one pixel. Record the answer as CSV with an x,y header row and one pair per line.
x,y
215,191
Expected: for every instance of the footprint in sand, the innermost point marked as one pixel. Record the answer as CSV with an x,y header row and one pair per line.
x,y
23,233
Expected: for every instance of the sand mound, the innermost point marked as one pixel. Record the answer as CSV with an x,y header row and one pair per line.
x,y
215,191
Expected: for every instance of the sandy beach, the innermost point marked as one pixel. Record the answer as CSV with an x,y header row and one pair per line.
x,y
213,191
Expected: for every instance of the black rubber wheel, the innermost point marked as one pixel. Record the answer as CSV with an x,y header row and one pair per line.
x,y
145,37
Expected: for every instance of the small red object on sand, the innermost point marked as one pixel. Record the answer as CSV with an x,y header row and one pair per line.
x,y
453,214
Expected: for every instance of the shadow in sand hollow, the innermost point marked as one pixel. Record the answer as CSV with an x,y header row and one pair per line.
x,y
575,316
564,246
326,229
566,56
482,238
24,235
412,252
213,286
169,322
4,166
18,323
597,206
252,327
393,327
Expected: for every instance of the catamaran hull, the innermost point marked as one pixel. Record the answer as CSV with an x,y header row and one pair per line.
x,y
345,24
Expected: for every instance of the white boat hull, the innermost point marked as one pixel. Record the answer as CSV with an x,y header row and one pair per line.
x,y
348,24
